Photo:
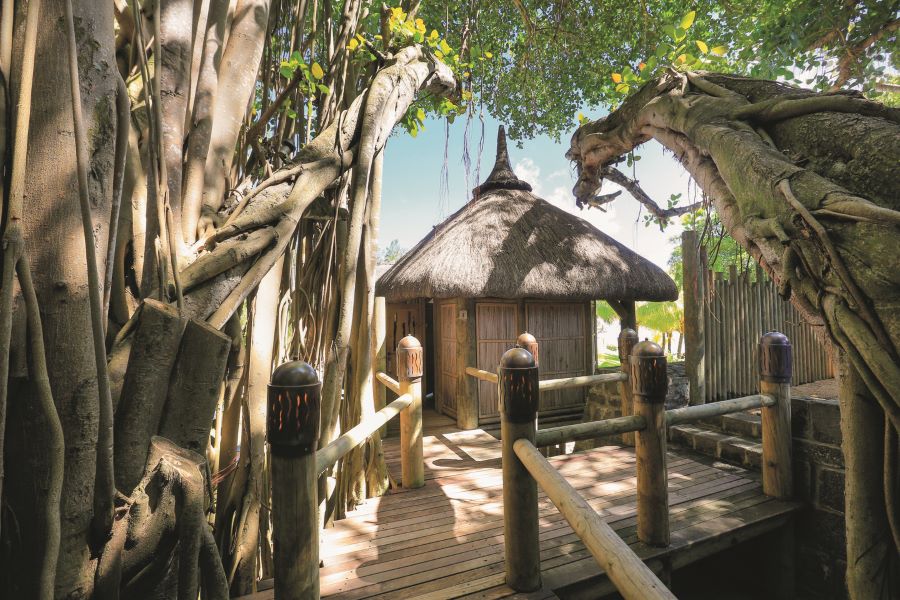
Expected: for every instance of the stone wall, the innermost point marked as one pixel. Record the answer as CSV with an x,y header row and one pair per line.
x,y
819,482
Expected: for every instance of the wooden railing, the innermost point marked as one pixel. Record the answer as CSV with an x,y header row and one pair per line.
x,y
524,467
293,431
555,384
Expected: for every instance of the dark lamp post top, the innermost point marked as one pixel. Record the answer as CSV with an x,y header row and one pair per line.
x,y
293,374
774,338
647,349
517,358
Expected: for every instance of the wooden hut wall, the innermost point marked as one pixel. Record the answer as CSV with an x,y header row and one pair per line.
x,y
560,329
563,330
496,329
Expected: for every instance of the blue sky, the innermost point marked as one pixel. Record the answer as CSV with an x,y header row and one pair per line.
x,y
413,199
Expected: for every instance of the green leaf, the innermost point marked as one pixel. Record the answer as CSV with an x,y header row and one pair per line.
x,y
623,88
286,71
688,19
420,114
669,30
323,88
662,50
317,71
680,34
703,47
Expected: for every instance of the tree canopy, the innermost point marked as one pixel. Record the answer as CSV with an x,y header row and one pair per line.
x,y
554,59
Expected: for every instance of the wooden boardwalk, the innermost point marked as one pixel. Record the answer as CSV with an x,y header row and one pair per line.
x,y
445,540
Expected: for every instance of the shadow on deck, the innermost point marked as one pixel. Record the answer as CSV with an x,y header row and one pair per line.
x,y
445,540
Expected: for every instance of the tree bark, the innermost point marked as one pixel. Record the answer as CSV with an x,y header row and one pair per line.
x,y
806,184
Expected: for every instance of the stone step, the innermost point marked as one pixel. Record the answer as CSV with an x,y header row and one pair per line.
x,y
713,442
745,424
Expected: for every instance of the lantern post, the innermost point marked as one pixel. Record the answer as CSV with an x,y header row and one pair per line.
x,y
292,431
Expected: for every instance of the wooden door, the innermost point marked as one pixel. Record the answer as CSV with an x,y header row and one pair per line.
x,y
446,370
561,331
496,331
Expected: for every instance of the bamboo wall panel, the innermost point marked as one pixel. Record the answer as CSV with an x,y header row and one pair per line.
x,y
447,368
560,330
737,311
496,326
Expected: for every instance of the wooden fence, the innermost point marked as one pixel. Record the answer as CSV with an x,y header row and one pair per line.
x,y
727,314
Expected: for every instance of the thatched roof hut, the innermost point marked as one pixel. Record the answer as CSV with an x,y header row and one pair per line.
x,y
508,243
514,261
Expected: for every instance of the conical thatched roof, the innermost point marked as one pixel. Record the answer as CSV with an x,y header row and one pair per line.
x,y
508,243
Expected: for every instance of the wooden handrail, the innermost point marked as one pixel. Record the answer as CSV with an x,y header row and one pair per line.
x,y
581,381
554,384
482,375
388,381
593,429
633,579
587,431
689,414
330,454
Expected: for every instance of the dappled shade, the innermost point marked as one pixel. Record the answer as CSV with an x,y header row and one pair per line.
x,y
508,243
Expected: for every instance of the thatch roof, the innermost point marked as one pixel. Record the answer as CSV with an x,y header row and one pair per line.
x,y
508,243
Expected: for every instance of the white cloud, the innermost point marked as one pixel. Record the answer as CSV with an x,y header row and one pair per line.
x,y
527,170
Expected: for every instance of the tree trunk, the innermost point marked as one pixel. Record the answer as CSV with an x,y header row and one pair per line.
x,y
60,280
806,184
871,557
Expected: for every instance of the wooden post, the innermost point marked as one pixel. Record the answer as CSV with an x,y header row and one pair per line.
x,y
649,381
380,341
694,334
775,366
410,361
628,338
519,397
292,430
466,356
529,342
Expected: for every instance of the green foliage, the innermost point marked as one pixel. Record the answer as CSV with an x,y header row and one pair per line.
x,y
605,312
674,51
404,30
554,59
310,79
391,254
722,251
664,317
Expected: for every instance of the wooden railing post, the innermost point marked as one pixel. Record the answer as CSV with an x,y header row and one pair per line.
x,y
519,396
775,367
649,381
410,361
292,430
627,340
530,343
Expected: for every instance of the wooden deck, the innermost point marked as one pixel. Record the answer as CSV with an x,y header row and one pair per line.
x,y
446,540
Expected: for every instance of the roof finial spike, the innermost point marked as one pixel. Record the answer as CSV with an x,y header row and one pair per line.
x,y
502,153
502,176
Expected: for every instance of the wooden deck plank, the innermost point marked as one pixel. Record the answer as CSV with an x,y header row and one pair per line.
x,y
445,540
